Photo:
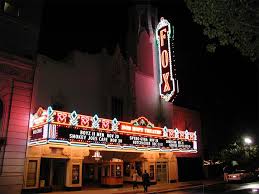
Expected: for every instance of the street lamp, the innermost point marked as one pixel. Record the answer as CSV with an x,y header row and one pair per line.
x,y
247,140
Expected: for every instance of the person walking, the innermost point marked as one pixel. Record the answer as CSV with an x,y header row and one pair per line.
x,y
226,171
146,181
134,179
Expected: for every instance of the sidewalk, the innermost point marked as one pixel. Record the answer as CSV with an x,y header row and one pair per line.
x,y
158,188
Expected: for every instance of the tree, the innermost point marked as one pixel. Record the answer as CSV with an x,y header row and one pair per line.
x,y
240,152
227,22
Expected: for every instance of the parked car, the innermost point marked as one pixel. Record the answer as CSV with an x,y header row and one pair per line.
x,y
240,175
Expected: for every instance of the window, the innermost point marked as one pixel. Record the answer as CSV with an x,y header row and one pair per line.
x,y
112,171
118,170
117,108
126,169
107,170
32,173
138,166
152,172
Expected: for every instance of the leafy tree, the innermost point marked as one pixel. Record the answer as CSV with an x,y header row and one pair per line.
x,y
240,152
227,22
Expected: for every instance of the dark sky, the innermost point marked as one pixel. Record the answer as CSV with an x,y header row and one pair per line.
x,y
222,86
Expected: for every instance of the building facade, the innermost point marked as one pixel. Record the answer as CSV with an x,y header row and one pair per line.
x,y
16,88
98,118
19,24
94,119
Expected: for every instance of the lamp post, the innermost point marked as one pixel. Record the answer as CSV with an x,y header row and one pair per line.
x,y
247,141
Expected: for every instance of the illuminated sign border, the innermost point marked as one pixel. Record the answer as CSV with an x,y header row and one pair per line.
x,y
169,96
50,119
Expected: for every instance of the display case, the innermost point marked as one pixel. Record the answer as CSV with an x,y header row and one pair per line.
x,y
112,173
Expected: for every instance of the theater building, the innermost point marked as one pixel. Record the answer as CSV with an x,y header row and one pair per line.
x,y
95,119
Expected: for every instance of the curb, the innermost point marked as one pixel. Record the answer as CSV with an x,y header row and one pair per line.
x,y
185,188
174,189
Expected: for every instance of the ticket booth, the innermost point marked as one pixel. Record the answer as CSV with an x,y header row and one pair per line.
x,y
112,173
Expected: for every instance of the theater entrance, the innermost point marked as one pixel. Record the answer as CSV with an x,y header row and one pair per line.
x,y
53,173
92,174
111,170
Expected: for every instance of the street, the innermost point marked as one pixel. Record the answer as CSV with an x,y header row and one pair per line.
x,y
231,188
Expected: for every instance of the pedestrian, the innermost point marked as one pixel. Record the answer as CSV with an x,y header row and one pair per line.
x,y
226,171
146,180
134,179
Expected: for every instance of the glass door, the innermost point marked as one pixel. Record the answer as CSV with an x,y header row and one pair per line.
x,y
162,172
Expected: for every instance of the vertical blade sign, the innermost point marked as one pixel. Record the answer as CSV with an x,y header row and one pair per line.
x,y
168,85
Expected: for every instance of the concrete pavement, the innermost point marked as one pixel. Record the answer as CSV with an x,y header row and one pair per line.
x,y
158,188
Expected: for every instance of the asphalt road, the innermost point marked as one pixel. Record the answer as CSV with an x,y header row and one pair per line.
x,y
230,188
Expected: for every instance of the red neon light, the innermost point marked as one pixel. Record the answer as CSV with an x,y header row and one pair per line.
x,y
142,121
84,121
105,124
162,36
140,126
168,84
39,118
182,134
62,117
164,58
191,136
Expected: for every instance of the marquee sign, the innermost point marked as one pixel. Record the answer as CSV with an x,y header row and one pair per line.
x,y
168,85
76,129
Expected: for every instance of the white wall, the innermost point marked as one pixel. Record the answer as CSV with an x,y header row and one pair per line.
x,y
83,82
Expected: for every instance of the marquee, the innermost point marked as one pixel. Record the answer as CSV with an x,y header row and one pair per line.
x,y
74,129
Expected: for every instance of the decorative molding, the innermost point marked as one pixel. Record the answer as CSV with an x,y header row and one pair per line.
x,y
16,72
67,152
46,150
85,153
35,151
77,154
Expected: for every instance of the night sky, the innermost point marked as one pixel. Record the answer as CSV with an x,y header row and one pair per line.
x,y
222,86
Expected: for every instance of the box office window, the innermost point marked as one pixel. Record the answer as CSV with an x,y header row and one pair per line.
x,y
118,170
31,173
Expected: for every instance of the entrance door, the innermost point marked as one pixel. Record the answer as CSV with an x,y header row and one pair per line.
x,y
92,174
59,174
162,172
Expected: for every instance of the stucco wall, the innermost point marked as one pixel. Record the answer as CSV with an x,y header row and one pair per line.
x,y
83,82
